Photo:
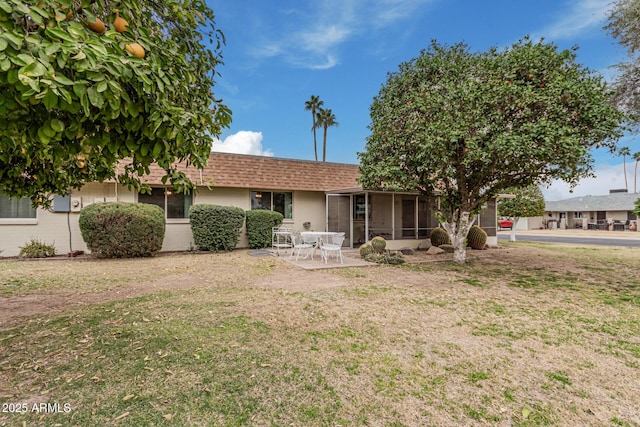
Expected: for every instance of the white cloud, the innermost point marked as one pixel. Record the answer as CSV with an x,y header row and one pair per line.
x,y
313,38
388,12
242,142
321,40
582,17
330,62
608,177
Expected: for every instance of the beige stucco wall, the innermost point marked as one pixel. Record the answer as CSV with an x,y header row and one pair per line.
x,y
308,206
52,228
533,223
616,216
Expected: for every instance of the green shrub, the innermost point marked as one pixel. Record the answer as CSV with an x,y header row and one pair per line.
x,y
439,237
122,230
477,237
37,249
379,244
259,226
216,228
385,258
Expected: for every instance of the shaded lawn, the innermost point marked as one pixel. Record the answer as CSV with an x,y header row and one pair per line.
x,y
531,335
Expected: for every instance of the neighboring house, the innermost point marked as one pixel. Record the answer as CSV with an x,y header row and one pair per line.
x,y
310,195
611,211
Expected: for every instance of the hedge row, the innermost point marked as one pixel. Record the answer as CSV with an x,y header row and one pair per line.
x,y
119,230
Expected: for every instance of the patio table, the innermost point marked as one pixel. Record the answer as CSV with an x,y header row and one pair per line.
x,y
308,236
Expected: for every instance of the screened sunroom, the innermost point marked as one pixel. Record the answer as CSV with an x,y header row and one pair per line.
x,y
403,219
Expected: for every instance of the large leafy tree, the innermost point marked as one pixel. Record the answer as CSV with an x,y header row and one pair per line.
x,y
314,104
466,126
77,99
624,25
525,202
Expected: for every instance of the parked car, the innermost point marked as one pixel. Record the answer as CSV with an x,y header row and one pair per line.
x,y
505,223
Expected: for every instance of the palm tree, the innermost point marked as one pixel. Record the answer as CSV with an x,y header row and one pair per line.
x,y
325,119
624,152
636,157
314,105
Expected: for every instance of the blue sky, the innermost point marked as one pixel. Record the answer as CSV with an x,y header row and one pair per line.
x,y
279,53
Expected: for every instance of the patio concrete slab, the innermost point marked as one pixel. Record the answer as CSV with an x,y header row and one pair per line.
x,y
351,259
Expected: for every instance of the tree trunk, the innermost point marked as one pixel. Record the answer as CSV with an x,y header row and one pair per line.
x,y
512,238
315,146
324,146
624,164
460,248
458,234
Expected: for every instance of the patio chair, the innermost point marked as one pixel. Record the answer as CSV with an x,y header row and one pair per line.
x,y
300,246
332,244
312,240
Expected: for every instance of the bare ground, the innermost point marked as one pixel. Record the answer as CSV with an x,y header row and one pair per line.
x,y
490,337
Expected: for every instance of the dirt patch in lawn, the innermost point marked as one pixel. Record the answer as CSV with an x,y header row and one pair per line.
x,y
14,308
54,285
185,271
521,335
82,281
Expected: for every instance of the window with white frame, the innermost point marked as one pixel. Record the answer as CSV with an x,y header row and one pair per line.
x,y
577,215
175,205
278,201
12,208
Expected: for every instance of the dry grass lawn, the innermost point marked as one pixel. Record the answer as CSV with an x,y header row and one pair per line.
x,y
526,335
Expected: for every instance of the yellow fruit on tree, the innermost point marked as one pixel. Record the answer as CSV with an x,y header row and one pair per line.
x,y
135,49
97,26
120,24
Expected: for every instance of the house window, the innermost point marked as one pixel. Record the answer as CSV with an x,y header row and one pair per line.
x,y
12,208
577,215
175,205
273,201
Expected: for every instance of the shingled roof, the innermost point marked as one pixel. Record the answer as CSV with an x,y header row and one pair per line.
x,y
609,202
268,173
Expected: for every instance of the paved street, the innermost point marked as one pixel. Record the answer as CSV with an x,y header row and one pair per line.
x,y
580,237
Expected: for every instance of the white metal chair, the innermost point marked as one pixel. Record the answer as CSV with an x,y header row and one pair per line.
x,y
332,244
311,239
299,246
